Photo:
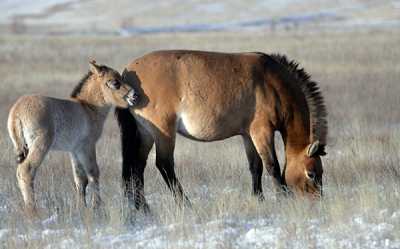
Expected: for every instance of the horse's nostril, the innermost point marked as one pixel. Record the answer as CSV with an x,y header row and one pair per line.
x,y
131,97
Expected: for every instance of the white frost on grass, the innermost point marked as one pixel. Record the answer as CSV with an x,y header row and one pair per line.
x,y
260,237
4,233
271,232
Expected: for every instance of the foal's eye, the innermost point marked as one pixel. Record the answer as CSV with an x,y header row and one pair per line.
x,y
113,84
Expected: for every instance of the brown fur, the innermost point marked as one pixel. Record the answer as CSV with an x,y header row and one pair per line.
x,y
210,96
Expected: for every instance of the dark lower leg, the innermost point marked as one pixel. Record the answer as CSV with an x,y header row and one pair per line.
x,y
139,198
255,166
256,170
168,173
274,170
127,176
133,180
81,193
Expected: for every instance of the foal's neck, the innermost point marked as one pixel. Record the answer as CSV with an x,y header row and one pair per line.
x,y
92,99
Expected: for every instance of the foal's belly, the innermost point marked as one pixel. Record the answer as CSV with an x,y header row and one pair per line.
x,y
71,127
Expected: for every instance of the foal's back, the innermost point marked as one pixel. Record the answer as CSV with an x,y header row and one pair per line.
x,y
63,121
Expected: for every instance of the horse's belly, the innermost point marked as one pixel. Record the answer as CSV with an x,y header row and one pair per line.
x,y
204,128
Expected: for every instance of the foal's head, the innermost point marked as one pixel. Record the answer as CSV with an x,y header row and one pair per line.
x,y
303,173
114,89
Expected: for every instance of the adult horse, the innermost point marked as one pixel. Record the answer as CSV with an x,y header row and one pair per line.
x,y
209,96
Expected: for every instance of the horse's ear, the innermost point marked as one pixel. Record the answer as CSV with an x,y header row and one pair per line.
x,y
316,149
94,68
313,148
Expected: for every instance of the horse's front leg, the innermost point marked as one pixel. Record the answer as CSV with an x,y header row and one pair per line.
x,y
81,180
87,157
255,166
263,140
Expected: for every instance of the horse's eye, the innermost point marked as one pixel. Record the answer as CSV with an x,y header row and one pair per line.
x,y
113,84
311,175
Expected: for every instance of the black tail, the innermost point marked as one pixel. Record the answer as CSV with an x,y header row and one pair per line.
x,y
130,142
129,139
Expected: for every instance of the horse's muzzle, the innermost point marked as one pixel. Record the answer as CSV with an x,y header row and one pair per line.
x,y
131,98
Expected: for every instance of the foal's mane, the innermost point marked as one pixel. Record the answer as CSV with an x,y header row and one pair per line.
x,y
78,88
313,96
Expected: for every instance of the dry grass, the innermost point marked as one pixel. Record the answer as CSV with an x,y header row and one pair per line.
x,y
359,75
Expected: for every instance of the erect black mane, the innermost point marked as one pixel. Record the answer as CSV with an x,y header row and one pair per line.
x,y
78,88
313,96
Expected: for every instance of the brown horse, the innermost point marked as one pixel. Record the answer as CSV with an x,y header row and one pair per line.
x,y
208,96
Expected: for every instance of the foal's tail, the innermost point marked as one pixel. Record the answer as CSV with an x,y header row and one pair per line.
x,y
129,139
15,131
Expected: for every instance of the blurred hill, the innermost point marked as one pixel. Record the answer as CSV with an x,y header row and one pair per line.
x,y
126,17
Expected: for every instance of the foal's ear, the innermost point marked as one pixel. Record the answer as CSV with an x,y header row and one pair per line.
x,y
94,68
316,149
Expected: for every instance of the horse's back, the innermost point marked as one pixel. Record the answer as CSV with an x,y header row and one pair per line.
x,y
212,95
52,117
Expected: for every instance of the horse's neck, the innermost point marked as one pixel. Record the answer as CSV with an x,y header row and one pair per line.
x,y
293,122
94,104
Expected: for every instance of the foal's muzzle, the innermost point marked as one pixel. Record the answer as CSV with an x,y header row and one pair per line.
x,y
131,97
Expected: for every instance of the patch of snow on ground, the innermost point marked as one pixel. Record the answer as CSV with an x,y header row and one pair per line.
x,y
271,232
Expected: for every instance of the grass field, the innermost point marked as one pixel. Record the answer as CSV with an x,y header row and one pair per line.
x,y
359,73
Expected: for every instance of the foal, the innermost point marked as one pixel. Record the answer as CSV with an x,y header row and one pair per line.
x,y
37,124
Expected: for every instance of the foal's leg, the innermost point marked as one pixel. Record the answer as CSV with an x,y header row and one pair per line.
x,y
256,167
262,137
81,180
165,164
87,157
26,170
134,163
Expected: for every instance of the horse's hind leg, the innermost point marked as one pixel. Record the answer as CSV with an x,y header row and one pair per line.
x,y
81,180
165,164
26,170
256,167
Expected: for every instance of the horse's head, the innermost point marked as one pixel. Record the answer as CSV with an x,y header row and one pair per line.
x,y
303,173
114,89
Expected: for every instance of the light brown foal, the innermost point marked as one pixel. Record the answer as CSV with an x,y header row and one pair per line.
x,y
37,124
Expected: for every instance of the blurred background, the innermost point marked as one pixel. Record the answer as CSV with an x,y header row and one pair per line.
x,y
127,18
351,48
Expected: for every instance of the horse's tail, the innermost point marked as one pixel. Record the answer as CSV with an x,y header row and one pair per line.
x,y
15,131
129,139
